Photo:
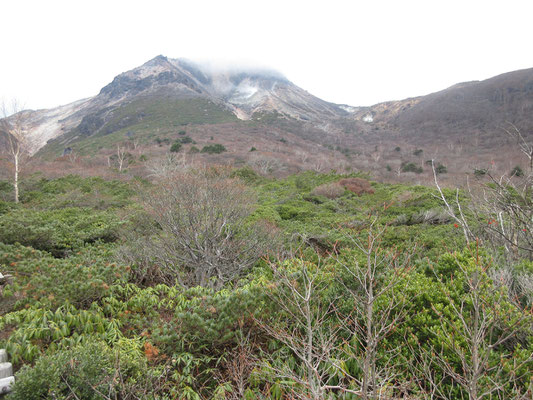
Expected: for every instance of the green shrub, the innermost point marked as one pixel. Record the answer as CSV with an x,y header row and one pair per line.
x,y
176,147
85,371
194,150
58,231
418,152
441,169
411,167
517,171
186,140
80,279
213,149
182,133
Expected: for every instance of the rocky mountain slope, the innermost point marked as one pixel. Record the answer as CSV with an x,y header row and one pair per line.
x,y
243,93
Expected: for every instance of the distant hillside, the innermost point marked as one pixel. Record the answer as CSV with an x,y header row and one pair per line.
x,y
462,112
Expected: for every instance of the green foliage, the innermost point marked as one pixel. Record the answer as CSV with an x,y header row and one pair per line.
x,y
411,167
58,231
78,321
75,191
176,147
480,172
441,169
194,150
213,149
142,118
248,175
253,149
517,171
418,152
186,140
6,191
36,330
85,371
42,279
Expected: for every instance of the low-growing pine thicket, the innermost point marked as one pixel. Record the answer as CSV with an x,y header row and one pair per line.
x,y
220,284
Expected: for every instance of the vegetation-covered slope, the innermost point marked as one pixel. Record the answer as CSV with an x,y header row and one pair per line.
x,y
359,290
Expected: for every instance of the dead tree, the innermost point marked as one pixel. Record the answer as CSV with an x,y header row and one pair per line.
x,y
13,130
368,282
305,323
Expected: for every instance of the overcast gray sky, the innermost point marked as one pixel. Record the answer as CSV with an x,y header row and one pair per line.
x,y
354,52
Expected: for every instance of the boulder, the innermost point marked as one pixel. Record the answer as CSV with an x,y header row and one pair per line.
x,y
6,384
6,370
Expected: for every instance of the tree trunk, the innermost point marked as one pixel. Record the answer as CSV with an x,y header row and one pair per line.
x,y
16,181
368,367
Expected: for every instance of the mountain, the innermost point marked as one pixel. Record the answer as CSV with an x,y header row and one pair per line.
x,y
463,112
261,118
182,92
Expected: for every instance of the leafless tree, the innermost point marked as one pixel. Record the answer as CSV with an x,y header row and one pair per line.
x,y
454,210
265,164
525,146
239,366
302,155
203,235
319,164
369,324
13,130
168,165
121,156
306,326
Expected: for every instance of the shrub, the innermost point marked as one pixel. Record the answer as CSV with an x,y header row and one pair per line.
x,y
418,152
480,172
186,140
201,233
397,148
58,231
253,149
411,167
182,133
213,149
441,169
176,147
83,372
80,279
517,171
358,186
329,190
194,150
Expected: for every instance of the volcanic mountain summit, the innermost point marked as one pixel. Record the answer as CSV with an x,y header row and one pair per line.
x,y
241,92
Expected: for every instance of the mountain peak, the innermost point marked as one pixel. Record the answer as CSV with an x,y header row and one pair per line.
x,y
157,60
